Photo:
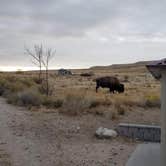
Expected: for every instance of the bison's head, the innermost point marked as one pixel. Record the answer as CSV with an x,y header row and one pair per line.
x,y
121,88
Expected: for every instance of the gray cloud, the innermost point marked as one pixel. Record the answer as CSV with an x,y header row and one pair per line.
x,y
80,28
74,17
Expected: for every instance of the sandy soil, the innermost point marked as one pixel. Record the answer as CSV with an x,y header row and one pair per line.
x,y
50,139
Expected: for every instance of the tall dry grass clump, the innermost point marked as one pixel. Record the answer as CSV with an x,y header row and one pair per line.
x,y
28,98
152,100
26,92
52,102
11,84
127,100
76,102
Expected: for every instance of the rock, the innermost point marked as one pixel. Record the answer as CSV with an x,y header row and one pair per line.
x,y
64,72
105,133
78,128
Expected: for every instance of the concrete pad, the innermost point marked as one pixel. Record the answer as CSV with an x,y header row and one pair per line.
x,y
145,155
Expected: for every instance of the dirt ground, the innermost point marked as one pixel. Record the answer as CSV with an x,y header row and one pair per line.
x,y
45,137
52,139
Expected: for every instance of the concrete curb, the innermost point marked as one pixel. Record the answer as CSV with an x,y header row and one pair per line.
x,y
140,132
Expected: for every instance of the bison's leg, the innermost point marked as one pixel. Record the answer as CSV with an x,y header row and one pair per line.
x,y
111,90
97,88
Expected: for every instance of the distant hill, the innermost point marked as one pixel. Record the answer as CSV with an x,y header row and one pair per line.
x,y
120,66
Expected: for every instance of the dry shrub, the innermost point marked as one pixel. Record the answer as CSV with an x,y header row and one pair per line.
x,y
27,82
88,74
10,84
128,101
75,103
51,102
26,92
113,115
15,86
43,88
146,99
37,80
81,101
152,101
126,78
20,91
28,97
116,110
3,86
96,101
120,109
99,111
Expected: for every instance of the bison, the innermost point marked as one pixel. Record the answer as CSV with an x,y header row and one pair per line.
x,y
109,82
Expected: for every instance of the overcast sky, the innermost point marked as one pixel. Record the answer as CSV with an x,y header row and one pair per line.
x,y
83,32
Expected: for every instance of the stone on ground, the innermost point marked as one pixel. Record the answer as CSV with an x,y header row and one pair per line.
x,y
105,133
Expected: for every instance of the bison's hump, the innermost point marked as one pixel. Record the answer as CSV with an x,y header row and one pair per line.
x,y
108,79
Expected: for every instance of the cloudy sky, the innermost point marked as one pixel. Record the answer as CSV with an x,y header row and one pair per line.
x,y
83,32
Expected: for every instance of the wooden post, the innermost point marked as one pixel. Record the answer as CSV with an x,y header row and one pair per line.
x,y
163,118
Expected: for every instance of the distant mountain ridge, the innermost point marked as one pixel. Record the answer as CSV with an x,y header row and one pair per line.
x,y
114,66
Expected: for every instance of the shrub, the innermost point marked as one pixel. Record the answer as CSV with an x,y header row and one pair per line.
x,y
26,98
10,78
26,92
57,103
127,101
27,82
43,88
2,90
126,78
37,80
152,101
75,103
120,109
12,98
94,104
113,115
100,101
52,102
13,85
87,74
30,97
3,86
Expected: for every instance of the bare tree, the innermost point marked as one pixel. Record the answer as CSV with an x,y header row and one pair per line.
x,y
49,54
37,58
41,58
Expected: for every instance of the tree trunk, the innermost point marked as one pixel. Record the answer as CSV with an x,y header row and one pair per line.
x,y
47,82
40,74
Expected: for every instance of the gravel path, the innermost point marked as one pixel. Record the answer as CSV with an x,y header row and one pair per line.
x,y
50,139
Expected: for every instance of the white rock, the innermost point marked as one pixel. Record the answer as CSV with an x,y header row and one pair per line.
x,y
105,133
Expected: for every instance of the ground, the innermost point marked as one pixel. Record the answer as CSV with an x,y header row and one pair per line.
x,y
39,139
65,136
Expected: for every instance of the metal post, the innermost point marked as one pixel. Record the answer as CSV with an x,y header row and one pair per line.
x,y
163,119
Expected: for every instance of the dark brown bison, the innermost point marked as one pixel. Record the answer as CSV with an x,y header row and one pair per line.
x,y
109,82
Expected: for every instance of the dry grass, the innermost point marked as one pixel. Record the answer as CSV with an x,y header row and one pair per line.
x,y
75,94
152,101
77,101
29,97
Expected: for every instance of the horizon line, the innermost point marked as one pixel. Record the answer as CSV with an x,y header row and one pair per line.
x,y
31,68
